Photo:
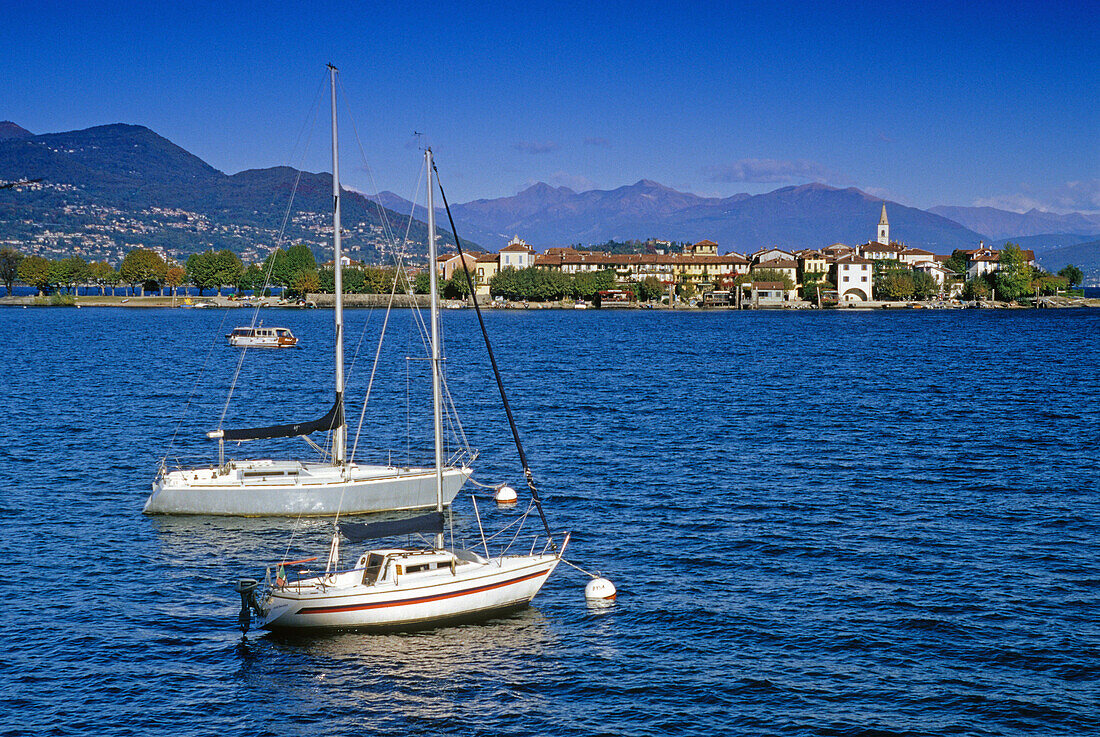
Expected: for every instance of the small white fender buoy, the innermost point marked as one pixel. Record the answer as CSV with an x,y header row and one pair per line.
x,y
505,495
599,590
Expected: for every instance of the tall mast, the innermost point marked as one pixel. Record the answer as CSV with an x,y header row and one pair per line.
x,y
437,399
340,433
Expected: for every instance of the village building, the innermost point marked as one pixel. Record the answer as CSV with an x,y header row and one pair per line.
x,y
702,248
876,251
812,263
914,256
836,250
447,264
940,273
517,255
770,254
985,260
770,294
786,266
488,264
854,277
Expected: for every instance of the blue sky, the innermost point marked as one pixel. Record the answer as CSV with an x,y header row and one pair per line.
x,y
923,103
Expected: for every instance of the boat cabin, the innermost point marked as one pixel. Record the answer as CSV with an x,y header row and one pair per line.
x,y
262,337
391,566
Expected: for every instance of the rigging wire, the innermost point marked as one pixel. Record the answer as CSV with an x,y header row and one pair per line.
x,y
374,369
305,126
396,249
496,371
194,386
280,238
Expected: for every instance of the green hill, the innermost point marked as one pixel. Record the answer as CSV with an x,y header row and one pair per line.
x,y
106,189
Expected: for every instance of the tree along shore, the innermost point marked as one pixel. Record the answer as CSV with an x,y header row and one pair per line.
x,y
374,301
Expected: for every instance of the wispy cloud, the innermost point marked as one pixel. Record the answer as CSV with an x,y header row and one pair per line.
x,y
597,141
535,147
1075,196
1083,195
769,171
1012,202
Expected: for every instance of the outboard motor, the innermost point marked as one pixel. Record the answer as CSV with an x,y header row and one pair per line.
x,y
246,587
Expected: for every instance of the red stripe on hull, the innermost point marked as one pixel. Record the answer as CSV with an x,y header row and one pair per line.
x,y
418,600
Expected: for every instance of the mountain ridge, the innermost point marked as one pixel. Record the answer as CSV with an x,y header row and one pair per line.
x,y
1000,224
121,179
802,216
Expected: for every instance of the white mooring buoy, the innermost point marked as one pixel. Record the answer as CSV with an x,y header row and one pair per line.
x,y
599,591
505,495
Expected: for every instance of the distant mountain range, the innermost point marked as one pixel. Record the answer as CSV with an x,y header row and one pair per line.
x,y
809,216
1004,225
120,185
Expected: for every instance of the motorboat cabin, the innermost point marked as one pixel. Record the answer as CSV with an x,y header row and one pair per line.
x,y
262,337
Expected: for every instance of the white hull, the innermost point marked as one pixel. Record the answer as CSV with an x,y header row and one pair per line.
x,y
262,338
261,343
475,589
282,488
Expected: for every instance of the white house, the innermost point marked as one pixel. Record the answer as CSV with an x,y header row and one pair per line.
x,y
854,278
771,254
985,260
517,255
940,273
878,251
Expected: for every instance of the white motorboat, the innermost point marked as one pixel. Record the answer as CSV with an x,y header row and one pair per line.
x,y
261,337
408,587
334,485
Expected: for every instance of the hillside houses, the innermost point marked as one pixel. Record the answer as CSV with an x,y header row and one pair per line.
x,y
985,260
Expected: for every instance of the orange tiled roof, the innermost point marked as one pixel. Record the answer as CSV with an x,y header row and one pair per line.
x,y
851,258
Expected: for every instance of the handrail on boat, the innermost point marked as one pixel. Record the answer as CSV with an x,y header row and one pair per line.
x,y
296,562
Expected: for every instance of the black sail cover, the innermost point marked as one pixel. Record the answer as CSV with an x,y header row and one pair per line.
x,y
333,419
360,531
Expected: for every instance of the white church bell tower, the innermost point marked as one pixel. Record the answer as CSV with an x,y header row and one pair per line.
x,y
884,228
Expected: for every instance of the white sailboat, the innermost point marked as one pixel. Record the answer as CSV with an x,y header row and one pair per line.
x,y
267,487
395,587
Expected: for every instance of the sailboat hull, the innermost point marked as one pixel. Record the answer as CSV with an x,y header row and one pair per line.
x,y
480,591
282,488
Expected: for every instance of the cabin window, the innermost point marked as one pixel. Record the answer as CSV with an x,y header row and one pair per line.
x,y
374,567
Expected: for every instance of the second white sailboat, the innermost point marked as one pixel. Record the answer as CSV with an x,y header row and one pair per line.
x,y
268,487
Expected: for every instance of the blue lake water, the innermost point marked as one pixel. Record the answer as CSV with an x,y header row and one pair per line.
x,y
835,523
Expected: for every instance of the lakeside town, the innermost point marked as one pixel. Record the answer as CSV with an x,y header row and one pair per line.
x,y
880,272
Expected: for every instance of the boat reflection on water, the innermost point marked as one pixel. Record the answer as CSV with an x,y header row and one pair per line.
x,y
487,645
394,681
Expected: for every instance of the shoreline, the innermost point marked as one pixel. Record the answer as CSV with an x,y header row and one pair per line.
x,y
325,301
